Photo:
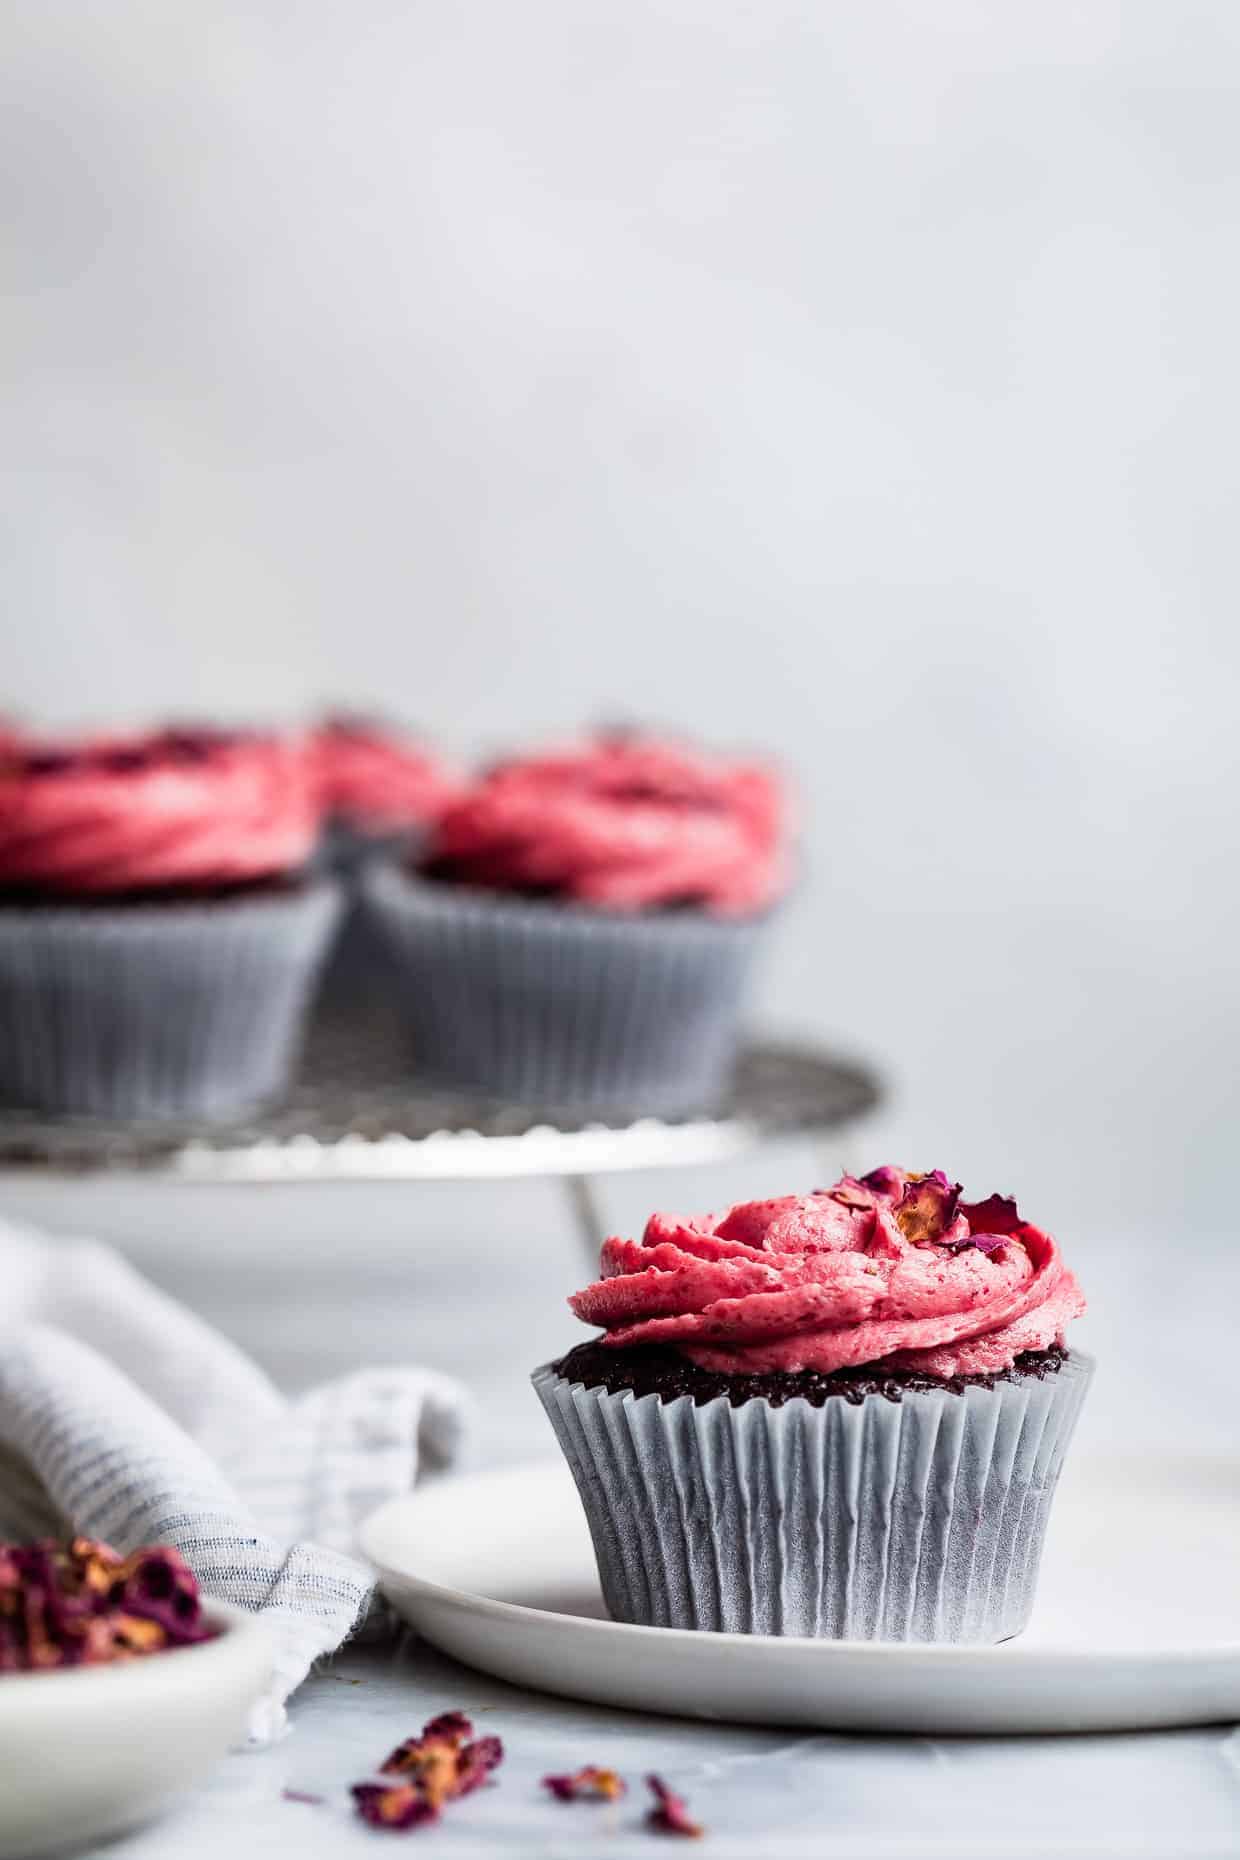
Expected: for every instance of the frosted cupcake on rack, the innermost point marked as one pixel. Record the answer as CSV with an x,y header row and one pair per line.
x,y
378,788
581,927
160,932
840,1414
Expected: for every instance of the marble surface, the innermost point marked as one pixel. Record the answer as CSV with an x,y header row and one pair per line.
x,y
762,1794
317,1282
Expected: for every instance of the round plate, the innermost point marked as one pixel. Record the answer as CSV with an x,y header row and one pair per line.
x,y
356,1114
1137,1622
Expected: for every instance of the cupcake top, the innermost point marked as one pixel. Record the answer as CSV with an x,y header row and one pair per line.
x,y
889,1269
178,809
626,823
376,778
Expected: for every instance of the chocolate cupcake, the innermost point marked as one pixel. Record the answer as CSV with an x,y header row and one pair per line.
x,y
378,789
840,1415
581,927
159,932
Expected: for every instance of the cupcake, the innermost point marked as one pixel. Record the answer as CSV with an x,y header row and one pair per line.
x,y
840,1414
581,926
377,789
159,933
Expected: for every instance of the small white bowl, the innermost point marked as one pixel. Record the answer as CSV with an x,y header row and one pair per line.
x,y
89,1751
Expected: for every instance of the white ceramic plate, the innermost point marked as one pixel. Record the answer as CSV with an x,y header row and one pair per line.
x,y
88,1751
1137,1622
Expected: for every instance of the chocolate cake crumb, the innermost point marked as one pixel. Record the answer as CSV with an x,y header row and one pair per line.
x,y
652,1369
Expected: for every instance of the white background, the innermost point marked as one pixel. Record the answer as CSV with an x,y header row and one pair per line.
x,y
856,380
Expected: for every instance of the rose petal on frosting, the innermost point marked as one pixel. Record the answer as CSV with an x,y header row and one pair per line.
x,y
850,1192
861,1191
927,1207
998,1214
985,1243
884,1180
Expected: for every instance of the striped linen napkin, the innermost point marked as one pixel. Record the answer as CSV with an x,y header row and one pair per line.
x,y
124,1417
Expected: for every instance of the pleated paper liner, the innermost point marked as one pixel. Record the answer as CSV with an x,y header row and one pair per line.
x,y
921,1519
158,1010
548,1003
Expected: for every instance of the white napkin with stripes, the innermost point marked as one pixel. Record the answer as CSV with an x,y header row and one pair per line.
x,y
124,1417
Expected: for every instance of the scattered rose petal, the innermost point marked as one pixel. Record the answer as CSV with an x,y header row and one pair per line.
x,y
449,1724
476,1762
670,1814
590,1784
438,1766
302,1795
392,1805
927,1207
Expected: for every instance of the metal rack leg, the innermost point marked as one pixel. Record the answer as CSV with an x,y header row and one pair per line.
x,y
587,1215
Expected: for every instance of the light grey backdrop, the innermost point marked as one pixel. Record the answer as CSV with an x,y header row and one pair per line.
x,y
855,380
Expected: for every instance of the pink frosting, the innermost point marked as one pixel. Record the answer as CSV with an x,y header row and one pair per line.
x,y
376,778
858,1274
188,808
625,823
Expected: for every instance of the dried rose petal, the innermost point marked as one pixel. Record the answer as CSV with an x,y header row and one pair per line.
x,y
590,1784
476,1762
448,1724
985,1243
927,1207
302,1795
859,1192
849,1192
392,1805
670,1814
81,1604
998,1214
449,1729
883,1181
439,1764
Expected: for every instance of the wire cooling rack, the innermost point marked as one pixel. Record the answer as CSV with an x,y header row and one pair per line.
x,y
357,1113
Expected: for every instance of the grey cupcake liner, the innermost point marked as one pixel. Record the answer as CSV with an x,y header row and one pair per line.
x,y
158,1010
916,1520
344,848
553,1004
356,976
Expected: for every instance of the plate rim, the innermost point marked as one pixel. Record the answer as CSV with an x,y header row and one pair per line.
x,y
946,1653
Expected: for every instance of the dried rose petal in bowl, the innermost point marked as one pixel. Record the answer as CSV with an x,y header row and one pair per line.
x,y
83,1604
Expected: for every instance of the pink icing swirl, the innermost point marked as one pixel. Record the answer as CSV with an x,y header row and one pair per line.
x,y
182,808
625,824
893,1269
375,778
